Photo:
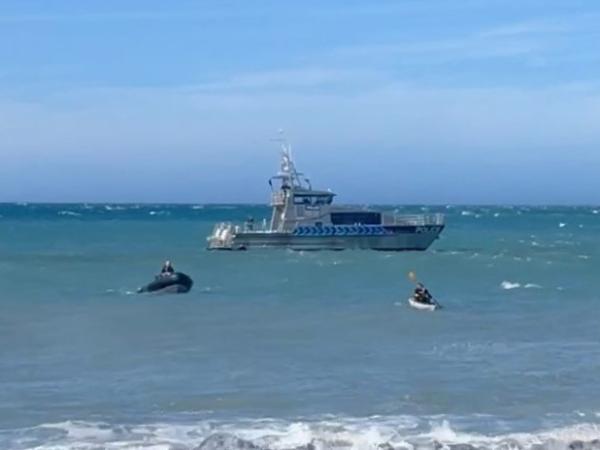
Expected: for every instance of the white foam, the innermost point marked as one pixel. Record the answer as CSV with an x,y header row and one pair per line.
x,y
69,213
509,285
325,433
532,286
160,213
562,225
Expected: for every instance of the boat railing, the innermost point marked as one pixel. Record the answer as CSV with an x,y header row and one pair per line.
x,y
418,220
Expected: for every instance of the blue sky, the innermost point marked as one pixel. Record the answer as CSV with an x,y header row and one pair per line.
x,y
406,101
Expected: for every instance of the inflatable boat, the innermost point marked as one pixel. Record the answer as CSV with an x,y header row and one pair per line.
x,y
176,283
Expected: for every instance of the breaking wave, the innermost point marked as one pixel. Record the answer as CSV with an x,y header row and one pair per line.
x,y
69,213
382,433
508,285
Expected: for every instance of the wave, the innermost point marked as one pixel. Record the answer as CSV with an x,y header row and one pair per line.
x,y
159,213
382,433
470,214
508,285
114,208
69,213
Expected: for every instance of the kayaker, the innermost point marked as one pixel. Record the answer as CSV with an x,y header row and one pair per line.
x,y
422,294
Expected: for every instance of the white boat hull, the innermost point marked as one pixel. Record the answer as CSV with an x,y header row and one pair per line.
x,y
410,239
423,306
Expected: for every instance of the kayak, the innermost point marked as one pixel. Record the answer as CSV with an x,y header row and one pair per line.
x,y
176,283
423,306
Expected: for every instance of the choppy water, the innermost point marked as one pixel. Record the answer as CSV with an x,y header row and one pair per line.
x,y
280,349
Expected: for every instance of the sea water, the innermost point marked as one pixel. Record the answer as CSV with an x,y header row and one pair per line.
x,y
276,349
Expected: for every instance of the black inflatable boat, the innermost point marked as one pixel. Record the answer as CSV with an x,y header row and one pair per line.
x,y
176,283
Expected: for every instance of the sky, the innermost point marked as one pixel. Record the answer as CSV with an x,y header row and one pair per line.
x,y
399,102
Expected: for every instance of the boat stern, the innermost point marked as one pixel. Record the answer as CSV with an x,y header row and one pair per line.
x,y
222,237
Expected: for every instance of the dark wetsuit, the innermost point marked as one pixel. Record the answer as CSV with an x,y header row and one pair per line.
x,y
422,295
167,270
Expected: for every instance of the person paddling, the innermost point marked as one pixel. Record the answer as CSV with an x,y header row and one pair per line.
x,y
422,294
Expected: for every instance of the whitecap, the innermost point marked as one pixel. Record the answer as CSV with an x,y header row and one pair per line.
x,y
532,286
562,225
114,208
69,213
160,213
509,285
467,213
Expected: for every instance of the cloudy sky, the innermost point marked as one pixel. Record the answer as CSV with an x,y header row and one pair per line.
x,y
405,101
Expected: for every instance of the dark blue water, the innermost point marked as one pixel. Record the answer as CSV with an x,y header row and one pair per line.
x,y
285,348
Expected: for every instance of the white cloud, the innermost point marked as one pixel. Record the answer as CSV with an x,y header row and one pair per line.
x,y
528,39
311,77
388,113
200,138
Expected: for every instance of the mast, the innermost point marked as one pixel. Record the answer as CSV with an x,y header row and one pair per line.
x,y
291,180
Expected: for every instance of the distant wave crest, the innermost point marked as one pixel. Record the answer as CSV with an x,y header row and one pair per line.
x,y
508,285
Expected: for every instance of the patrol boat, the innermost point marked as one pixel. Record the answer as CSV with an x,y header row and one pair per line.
x,y
304,218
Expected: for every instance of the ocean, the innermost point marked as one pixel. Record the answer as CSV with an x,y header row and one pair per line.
x,y
276,349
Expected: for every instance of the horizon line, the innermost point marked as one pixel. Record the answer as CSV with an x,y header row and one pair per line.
x,y
442,205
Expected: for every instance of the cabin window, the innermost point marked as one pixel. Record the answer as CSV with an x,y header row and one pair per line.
x,y
313,200
354,218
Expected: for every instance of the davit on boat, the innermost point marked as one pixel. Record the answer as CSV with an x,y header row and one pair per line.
x,y
304,218
168,281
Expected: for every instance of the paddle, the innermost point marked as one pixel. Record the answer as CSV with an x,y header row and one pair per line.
x,y
412,276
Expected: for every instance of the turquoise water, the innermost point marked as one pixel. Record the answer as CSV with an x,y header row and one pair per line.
x,y
279,349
